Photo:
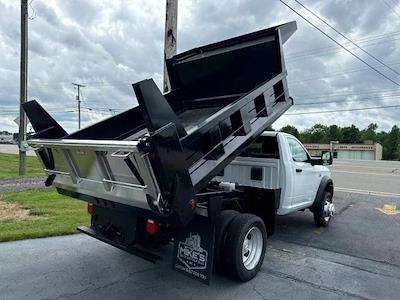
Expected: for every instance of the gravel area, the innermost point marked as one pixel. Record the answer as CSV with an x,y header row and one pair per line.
x,y
16,184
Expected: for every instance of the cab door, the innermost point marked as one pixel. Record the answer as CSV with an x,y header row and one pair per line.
x,y
302,174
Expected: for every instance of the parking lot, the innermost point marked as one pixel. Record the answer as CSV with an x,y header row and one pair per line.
x,y
13,149
356,257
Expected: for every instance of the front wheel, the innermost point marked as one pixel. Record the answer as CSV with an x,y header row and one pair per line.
x,y
244,247
324,210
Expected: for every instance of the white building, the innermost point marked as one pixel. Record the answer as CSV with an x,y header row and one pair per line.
x,y
366,151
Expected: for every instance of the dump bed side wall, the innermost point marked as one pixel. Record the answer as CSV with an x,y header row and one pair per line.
x,y
229,68
118,127
228,71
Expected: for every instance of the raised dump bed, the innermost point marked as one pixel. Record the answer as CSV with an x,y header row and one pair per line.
x,y
160,154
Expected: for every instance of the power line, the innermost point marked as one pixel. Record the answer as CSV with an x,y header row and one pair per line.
x,y
342,35
292,57
334,74
362,92
346,100
343,110
395,4
391,8
364,99
336,42
331,49
9,112
360,41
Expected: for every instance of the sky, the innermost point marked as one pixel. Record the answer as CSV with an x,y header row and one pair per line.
x,y
108,45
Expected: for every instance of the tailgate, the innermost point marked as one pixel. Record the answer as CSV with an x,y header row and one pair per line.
x,y
111,170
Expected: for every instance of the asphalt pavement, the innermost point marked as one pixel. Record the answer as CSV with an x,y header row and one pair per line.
x,y
356,257
377,177
13,149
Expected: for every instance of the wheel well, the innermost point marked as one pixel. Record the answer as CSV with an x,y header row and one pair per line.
x,y
329,188
264,204
326,185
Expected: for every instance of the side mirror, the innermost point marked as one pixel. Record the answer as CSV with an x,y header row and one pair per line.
x,y
326,158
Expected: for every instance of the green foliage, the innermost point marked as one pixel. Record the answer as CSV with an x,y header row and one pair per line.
x,y
323,134
291,130
369,134
316,134
50,214
334,133
9,166
351,135
391,144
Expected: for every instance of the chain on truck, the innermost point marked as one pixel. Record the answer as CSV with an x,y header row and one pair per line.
x,y
153,174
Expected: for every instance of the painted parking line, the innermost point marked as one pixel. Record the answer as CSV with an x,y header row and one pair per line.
x,y
391,169
365,173
366,192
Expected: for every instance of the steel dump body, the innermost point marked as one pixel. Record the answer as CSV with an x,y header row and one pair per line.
x,y
159,155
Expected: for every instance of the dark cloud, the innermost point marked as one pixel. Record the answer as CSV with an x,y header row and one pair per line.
x,y
110,44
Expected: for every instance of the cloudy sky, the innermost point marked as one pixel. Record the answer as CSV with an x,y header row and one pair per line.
x,y
107,45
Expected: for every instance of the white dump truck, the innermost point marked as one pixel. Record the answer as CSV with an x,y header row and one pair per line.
x,y
193,166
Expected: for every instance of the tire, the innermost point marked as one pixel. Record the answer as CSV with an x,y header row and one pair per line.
x,y
322,213
237,264
221,225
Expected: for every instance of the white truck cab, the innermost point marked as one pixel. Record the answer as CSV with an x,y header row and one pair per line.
x,y
278,161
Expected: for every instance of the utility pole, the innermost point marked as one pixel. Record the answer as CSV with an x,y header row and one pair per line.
x,y
23,92
171,24
79,102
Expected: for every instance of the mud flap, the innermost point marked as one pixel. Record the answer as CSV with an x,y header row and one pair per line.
x,y
194,249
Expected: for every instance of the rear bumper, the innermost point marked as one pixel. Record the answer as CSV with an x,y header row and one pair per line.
x,y
147,255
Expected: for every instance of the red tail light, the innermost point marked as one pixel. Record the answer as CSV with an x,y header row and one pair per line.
x,y
151,226
90,208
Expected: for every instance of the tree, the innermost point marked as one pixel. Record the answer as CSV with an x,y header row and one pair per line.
x,y
334,133
291,130
391,146
351,135
369,134
316,134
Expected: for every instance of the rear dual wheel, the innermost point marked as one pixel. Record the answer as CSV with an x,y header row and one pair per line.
x,y
242,247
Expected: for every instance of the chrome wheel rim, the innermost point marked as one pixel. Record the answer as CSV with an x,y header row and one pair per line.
x,y
252,248
329,209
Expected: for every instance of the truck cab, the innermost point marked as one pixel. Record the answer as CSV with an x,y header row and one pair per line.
x,y
278,161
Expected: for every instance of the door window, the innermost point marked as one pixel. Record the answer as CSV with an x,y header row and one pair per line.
x,y
297,150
